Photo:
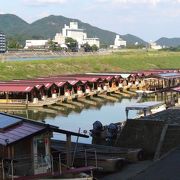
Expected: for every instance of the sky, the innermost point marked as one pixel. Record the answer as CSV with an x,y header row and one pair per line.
x,y
147,19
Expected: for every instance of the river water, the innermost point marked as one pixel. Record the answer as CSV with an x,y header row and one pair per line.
x,y
106,112
34,58
109,113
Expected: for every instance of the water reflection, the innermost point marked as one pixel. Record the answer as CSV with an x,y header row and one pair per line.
x,y
72,119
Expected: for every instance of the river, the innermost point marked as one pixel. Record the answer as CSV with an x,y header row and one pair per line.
x,y
106,112
34,58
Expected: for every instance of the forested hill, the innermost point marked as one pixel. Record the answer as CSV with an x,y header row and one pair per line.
x,y
15,27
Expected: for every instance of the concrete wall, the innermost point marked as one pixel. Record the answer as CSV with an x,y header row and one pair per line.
x,y
141,134
171,139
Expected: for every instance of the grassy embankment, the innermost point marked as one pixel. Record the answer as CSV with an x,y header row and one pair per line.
x,y
127,61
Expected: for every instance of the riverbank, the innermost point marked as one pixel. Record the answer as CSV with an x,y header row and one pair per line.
x,y
116,62
45,55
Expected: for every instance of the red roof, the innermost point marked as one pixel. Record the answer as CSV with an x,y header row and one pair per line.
x,y
38,86
73,82
47,84
90,79
18,131
72,77
60,84
15,88
177,89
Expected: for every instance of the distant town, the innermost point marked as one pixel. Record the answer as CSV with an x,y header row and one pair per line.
x,y
73,39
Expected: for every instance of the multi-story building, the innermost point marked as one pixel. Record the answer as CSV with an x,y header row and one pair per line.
x,y
73,31
59,39
92,41
118,43
2,43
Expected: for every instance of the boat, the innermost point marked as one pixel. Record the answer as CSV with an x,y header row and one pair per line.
x,y
146,108
104,158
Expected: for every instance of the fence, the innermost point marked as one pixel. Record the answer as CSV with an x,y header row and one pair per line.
x,y
27,167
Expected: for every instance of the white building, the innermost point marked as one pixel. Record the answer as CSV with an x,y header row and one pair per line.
x,y
59,39
71,31
35,44
74,32
118,43
92,41
154,46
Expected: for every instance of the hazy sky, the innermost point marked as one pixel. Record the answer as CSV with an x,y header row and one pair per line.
x,y
148,19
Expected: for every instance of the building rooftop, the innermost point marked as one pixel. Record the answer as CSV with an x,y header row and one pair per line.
x,y
170,116
176,89
144,105
16,88
14,129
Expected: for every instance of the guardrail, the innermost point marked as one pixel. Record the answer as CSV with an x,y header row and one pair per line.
x,y
40,165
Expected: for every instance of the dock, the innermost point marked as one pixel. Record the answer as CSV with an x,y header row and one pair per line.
x,y
46,91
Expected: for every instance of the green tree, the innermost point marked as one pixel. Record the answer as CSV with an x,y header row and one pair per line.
x,y
87,47
13,44
72,44
94,47
51,45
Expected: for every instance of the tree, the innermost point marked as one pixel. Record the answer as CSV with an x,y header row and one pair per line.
x,y
13,44
94,47
87,48
51,45
72,44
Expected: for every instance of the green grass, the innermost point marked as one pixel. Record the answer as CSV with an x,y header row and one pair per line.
x,y
127,61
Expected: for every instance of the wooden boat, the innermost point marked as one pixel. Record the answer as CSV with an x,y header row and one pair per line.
x,y
70,174
105,158
104,163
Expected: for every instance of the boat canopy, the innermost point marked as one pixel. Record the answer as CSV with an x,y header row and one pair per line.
x,y
169,75
15,88
145,106
176,89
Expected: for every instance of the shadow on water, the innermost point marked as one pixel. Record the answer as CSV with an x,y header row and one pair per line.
x,y
81,117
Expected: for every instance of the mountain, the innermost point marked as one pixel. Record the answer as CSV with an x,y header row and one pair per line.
x,y
12,24
131,39
168,42
47,27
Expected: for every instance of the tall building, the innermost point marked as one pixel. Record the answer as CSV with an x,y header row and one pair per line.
x,y
118,43
73,31
2,43
59,39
